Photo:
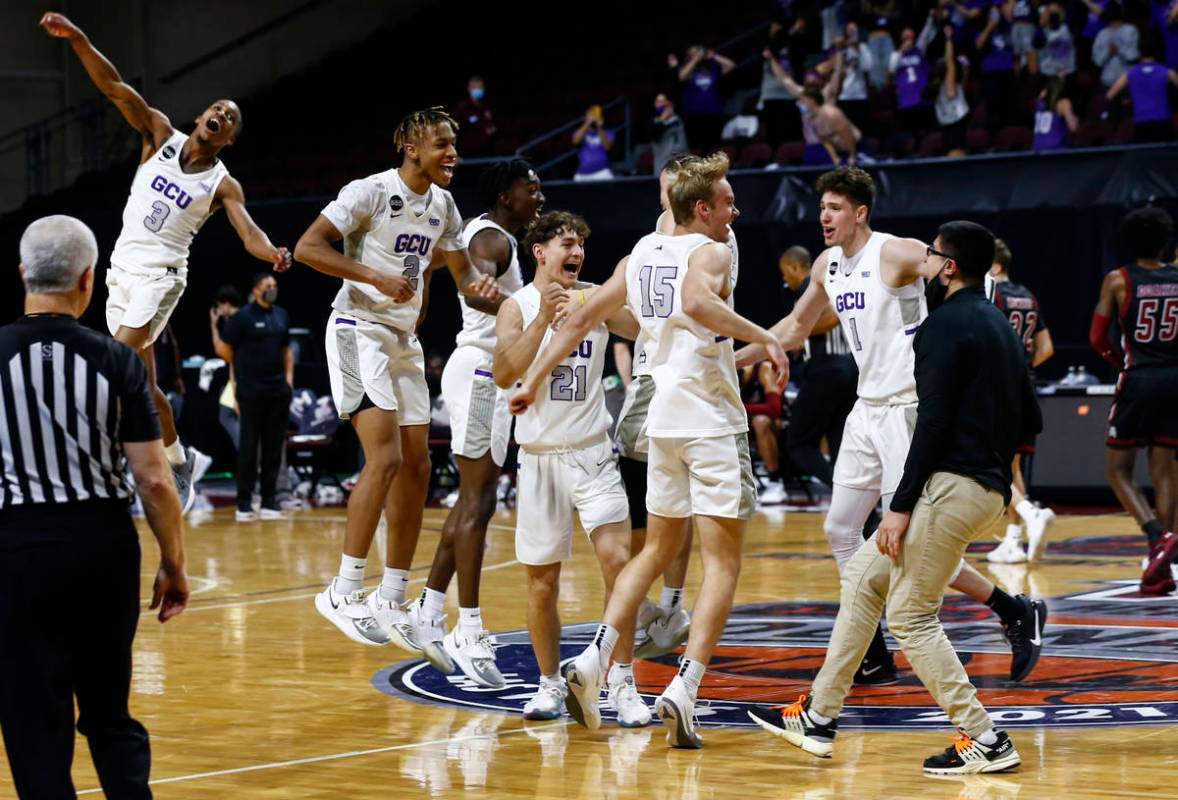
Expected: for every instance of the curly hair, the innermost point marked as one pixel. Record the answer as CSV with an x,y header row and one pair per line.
x,y
694,181
552,224
498,178
850,182
411,130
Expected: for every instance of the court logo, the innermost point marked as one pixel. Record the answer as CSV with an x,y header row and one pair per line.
x,y
1110,657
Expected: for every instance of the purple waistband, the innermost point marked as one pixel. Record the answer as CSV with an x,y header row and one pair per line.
x,y
342,321
483,373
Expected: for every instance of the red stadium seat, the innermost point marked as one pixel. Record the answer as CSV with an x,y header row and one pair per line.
x,y
977,140
790,153
979,117
1123,133
1091,134
1014,138
731,150
754,155
645,163
933,144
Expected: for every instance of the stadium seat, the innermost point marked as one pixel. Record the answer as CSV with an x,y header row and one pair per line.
x,y
754,155
645,163
1124,133
979,117
790,153
933,144
1091,134
1014,138
731,150
977,140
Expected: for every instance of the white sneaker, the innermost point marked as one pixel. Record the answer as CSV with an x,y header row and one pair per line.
x,y
245,516
182,475
429,635
393,620
1037,527
449,500
677,711
773,494
548,701
665,634
584,677
475,656
350,613
623,697
271,514
200,464
1008,552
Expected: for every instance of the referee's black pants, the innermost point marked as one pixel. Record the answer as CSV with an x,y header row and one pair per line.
x,y
68,612
820,409
264,420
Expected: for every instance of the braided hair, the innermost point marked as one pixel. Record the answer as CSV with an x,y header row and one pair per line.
x,y
413,127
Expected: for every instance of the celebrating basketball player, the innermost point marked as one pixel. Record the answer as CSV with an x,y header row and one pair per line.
x,y
393,223
680,288
876,283
566,461
180,183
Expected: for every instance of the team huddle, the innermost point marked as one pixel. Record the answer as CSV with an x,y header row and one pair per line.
x,y
676,466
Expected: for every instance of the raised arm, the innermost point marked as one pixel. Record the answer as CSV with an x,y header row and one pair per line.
x,y
950,64
690,64
902,261
779,72
230,196
991,24
149,122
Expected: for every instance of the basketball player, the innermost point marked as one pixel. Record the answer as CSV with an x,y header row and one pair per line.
x,y
180,183
393,224
480,424
680,288
1144,297
876,283
566,461
1021,308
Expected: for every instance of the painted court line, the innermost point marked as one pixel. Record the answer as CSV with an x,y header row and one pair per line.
x,y
338,756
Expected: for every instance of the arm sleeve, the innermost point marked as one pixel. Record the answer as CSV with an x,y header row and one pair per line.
x,y
941,359
771,408
357,205
1099,339
138,419
452,234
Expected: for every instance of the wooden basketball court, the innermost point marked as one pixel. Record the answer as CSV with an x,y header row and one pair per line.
x,y
251,694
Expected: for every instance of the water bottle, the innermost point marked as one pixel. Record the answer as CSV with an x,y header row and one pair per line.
x,y
1070,378
1082,377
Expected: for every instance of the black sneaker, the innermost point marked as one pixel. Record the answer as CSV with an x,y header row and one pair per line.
x,y
794,724
968,756
1026,637
878,667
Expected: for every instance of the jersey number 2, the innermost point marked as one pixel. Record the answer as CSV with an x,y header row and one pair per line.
x,y
568,383
159,213
412,270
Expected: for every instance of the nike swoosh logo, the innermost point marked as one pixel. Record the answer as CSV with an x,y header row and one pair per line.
x,y
333,603
872,671
1038,640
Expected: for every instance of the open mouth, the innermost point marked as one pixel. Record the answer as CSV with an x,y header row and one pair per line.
x,y
571,270
828,232
448,170
213,125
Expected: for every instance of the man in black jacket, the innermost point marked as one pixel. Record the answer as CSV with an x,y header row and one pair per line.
x,y
976,403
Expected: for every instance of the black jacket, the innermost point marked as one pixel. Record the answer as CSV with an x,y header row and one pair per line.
x,y
976,399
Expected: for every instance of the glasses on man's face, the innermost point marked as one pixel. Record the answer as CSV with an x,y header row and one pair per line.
x,y
932,251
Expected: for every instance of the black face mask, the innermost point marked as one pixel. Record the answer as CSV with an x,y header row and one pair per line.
x,y
1054,20
270,295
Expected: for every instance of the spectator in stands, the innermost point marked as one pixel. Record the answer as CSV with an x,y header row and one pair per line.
x,y
1024,20
856,65
882,16
762,401
910,73
700,99
826,130
1147,82
1094,20
951,106
670,134
743,126
1165,19
1053,43
476,136
968,18
996,51
595,143
778,106
1115,47
1054,118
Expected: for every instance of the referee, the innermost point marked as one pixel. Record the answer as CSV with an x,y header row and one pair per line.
x,y
75,410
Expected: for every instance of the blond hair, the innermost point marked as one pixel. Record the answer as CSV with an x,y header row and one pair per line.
x,y
413,127
694,181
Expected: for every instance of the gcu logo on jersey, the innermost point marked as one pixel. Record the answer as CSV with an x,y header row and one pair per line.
x,y
585,350
412,243
850,301
171,191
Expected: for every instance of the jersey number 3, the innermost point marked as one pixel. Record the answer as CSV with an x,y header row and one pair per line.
x,y
159,213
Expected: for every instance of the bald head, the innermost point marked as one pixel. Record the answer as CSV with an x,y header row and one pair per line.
x,y
795,266
54,253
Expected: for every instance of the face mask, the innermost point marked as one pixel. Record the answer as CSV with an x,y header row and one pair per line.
x,y
477,93
270,295
660,110
1054,20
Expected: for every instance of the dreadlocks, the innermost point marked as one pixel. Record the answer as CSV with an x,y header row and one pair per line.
x,y
413,127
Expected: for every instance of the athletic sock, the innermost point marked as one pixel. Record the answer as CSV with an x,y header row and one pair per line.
x,y
989,738
393,585
1006,607
470,621
433,602
819,718
605,639
1153,531
624,670
351,574
671,599
555,680
1014,531
176,455
1026,509
691,672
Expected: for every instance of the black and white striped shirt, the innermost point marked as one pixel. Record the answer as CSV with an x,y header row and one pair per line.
x,y
69,398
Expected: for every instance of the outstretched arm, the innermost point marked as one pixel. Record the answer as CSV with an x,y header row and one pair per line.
x,y
902,261
793,329
257,243
151,123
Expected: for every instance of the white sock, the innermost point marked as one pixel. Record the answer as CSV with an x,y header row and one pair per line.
x,y
433,602
552,680
1014,531
393,585
690,674
470,620
176,454
989,738
1026,509
819,718
351,574
605,639
619,672
671,598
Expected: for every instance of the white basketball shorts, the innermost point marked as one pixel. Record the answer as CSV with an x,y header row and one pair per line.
x,y
711,476
133,301
875,446
365,359
479,418
631,430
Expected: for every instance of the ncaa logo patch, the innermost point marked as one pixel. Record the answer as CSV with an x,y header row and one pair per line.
x,y
167,153
396,203
1110,657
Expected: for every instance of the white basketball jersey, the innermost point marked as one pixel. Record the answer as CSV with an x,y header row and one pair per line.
x,y
569,410
696,389
164,210
385,227
878,321
478,328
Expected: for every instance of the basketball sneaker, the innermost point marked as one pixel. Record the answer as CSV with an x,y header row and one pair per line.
x,y
584,678
1026,637
429,635
245,515
200,464
622,697
271,514
474,654
350,613
773,494
548,701
677,711
878,667
665,634
968,756
393,620
1037,527
1010,550
1157,574
182,475
796,725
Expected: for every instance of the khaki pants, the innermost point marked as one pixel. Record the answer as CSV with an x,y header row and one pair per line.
x,y
950,514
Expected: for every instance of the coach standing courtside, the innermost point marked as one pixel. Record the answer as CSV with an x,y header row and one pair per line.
x,y
76,410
